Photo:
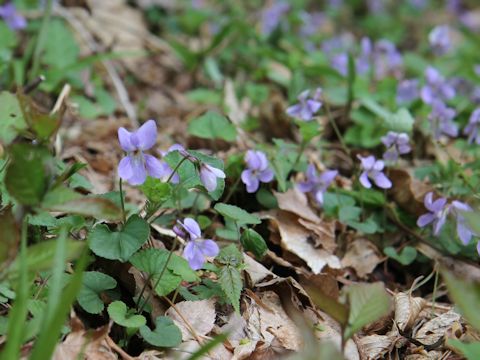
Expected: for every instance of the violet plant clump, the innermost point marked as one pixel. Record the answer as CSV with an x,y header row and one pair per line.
x,y
397,144
317,184
407,91
436,215
473,127
258,170
441,120
307,106
440,39
436,88
372,169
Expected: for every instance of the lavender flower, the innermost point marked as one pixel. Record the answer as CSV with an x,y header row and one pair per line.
x,y
436,88
340,63
364,60
418,4
307,106
372,169
437,213
315,184
407,91
440,39
386,59
136,165
441,120
272,15
463,230
397,144
311,22
12,17
472,128
258,170
197,248
209,175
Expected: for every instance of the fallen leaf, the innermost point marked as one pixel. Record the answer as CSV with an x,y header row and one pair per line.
x,y
407,309
434,329
362,256
408,192
375,347
296,202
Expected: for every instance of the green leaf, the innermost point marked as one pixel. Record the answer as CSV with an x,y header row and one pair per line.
x,y
26,175
59,195
254,242
212,125
466,295
167,284
231,283
11,117
368,226
266,199
43,124
230,255
166,333
96,207
156,191
406,256
118,313
473,220
470,350
119,245
61,49
401,121
308,130
368,303
236,214
93,284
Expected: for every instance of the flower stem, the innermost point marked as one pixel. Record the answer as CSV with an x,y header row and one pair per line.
x,y
122,202
335,128
303,145
158,280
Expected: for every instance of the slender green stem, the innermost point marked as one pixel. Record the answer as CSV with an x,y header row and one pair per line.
x,y
41,40
335,128
232,190
158,280
301,149
122,202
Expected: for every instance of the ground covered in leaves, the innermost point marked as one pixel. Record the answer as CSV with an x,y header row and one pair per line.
x,y
239,180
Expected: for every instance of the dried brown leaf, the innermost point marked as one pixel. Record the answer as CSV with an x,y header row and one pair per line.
x,y
433,330
407,309
362,256
296,202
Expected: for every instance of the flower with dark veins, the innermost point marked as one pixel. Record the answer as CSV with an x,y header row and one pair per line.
x,y
396,144
12,17
441,120
307,106
473,127
437,213
135,167
197,248
258,170
317,184
373,169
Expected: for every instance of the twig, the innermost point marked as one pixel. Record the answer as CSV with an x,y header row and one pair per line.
x,y
187,323
118,349
61,98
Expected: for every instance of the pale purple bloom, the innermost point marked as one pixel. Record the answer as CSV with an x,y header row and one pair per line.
x,y
463,230
372,169
437,213
311,22
473,127
364,60
441,120
340,63
12,17
470,20
197,248
440,39
407,91
418,4
317,184
335,4
397,144
209,175
272,15
386,59
258,170
436,88
135,167
307,106
461,85
475,95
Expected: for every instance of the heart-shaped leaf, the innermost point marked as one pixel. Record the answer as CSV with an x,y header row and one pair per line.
x,y
406,256
94,283
166,333
119,245
236,214
119,314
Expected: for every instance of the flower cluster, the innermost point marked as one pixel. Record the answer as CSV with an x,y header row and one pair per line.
x,y
258,170
197,248
407,91
441,120
317,184
271,16
440,39
307,106
436,87
12,17
396,144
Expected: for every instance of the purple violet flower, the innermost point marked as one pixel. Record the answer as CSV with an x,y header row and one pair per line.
x,y
135,167
372,169
312,21
436,88
437,213
441,120
407,91
473,127
463,230
258,170
307,106
396,144
440,39
340,63
272,16
209,175
365,57
12,17
386,59
317,184
197,248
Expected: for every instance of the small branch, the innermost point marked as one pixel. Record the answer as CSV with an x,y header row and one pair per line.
x,y
118,349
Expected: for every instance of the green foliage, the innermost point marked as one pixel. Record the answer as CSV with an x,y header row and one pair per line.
x,y
231,283
119,245
156,191
166,333
240,216
405,257
212,125
117,311
11,119
367,303
470,350
93,285
254,242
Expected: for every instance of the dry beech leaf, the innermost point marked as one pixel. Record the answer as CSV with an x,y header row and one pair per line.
x,y
431,355
434,329
90,345
407,309
375,347
408,192
268,326
362,256
187,348
333,335
296,202
296,239
325,233
256,271
199,314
